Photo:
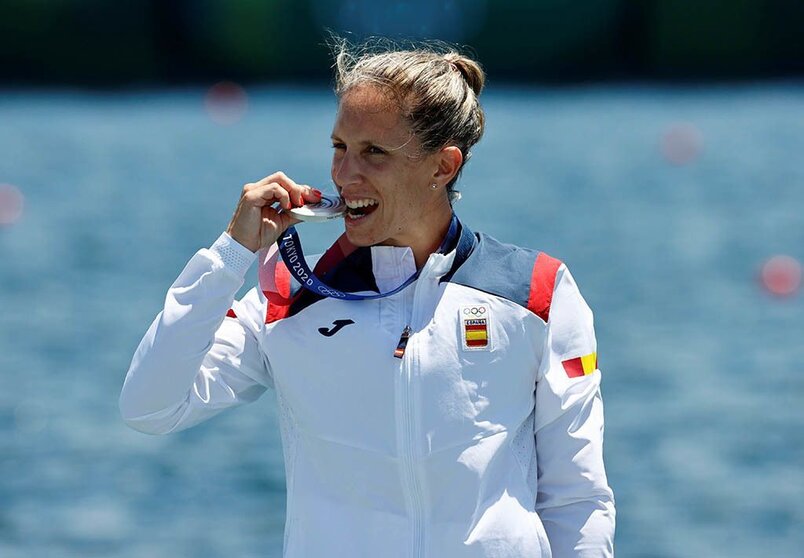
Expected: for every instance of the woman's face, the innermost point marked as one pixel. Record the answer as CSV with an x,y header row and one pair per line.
x,y
379,171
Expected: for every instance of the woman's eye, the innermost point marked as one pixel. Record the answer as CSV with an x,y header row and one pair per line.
x,y
374,150
338,146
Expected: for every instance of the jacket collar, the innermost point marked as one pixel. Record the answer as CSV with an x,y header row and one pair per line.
x,y
350,268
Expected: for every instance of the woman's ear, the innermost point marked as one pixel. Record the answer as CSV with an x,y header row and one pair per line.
x,y
450,160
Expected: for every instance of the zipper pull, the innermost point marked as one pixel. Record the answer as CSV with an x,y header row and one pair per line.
x,y
403,342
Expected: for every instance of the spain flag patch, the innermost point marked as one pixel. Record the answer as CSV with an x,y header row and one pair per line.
x,y
580,366
475,327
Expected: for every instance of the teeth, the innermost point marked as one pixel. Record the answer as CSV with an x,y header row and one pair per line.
x,y
355,204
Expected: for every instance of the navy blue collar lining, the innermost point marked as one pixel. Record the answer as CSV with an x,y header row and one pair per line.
x,y
465,244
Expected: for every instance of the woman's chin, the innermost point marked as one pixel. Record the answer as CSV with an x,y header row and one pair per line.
x,y
358,234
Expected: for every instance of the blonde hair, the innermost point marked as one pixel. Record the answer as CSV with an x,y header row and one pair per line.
x,y
435,87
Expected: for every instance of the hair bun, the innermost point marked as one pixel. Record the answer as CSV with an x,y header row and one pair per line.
x,y
470,70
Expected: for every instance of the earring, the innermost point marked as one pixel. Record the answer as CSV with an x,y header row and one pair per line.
x,y
434,186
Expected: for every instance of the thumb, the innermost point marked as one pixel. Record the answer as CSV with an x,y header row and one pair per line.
x,y
274,225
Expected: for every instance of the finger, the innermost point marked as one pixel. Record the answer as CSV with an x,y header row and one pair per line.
x,y
269,214
297,191
311,195
267,194
297,194
280,178
283,196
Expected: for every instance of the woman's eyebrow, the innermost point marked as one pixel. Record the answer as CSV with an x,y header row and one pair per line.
x,y
335,137
388,147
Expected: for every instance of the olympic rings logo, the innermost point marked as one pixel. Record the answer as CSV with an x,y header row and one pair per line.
x,y
475,310
330,292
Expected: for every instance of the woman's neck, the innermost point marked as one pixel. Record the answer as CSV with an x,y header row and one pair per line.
x,y
432,238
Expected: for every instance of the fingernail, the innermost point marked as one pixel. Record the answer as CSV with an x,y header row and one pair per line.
x,y
317,192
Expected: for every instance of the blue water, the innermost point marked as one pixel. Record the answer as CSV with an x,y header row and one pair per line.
x,y
703,370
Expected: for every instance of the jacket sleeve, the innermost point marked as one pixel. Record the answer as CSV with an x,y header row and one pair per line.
x,y
201,354
573,500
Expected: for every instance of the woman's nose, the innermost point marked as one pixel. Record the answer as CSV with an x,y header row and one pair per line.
x,y
344,170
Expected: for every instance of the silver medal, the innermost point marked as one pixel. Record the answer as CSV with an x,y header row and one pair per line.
x,y
330,207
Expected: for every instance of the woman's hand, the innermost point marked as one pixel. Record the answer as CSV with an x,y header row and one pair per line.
x,y
256,223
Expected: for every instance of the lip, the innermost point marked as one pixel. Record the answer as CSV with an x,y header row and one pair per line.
x,y
356,222
353,220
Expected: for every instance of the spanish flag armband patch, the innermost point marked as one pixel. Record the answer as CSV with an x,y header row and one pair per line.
x,y
580,366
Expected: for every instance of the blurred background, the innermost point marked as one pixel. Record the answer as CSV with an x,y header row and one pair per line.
x,y
655,146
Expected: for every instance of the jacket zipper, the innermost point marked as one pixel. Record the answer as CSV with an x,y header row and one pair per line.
x,y
409,458
410,452
403,342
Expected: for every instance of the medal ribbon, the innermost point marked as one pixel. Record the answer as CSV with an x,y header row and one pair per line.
x,y
290,249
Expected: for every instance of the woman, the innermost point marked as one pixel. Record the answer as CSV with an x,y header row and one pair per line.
x,y
457,417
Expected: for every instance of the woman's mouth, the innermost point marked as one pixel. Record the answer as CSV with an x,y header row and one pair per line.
x,y
359,208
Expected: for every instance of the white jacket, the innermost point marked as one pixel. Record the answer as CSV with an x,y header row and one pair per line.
x,y
483,440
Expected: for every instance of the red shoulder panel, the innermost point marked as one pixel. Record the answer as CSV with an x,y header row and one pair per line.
x,y
542,283
279,306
